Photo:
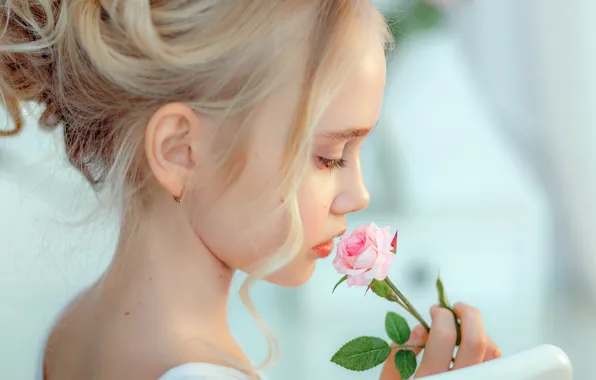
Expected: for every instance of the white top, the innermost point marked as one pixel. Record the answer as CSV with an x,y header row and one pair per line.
x,y
204,371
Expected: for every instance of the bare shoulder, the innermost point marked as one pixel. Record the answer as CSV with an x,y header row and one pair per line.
x,y
65,344
99,338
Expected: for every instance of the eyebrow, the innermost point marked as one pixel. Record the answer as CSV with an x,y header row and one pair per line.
x,y
349,134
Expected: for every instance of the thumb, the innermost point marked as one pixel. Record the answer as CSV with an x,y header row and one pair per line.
x,y
418,336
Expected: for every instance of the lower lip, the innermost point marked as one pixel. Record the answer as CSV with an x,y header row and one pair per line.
x,y
324,250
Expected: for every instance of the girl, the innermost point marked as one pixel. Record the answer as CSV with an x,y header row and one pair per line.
x,y
229,133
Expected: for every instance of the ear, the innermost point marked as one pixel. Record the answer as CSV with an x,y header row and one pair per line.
x,y
170,145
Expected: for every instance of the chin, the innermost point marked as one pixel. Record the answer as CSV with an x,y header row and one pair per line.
x,y
293,275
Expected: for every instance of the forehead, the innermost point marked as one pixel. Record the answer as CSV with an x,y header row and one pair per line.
x,y
358,101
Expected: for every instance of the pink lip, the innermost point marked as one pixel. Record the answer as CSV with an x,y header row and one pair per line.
x,y
323,250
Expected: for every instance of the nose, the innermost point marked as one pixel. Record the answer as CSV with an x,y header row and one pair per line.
x,y
354,197
361,198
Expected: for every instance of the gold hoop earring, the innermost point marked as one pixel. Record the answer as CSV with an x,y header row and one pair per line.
x,y
178,198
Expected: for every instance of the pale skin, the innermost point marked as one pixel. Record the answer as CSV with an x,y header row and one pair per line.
x,y
163,301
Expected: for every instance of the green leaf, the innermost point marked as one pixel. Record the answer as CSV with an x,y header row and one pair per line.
x,y
405,362
444,302
397,328
381,288
362,353
339,282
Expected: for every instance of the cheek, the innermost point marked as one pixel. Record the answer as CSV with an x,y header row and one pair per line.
x,y
244,238
315,198
242,225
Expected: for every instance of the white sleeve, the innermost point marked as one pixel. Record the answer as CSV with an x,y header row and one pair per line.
x,y
204,371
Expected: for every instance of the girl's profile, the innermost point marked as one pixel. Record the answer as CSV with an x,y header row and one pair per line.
x,y
228,134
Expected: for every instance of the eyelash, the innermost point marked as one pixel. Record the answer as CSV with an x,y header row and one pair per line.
x,y
332,164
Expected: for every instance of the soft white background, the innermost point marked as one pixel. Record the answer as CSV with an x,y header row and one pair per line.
x,y
483,159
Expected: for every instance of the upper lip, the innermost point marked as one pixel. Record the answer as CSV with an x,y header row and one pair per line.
x,y
341,232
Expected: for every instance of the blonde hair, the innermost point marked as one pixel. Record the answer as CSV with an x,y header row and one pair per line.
x,y
103,67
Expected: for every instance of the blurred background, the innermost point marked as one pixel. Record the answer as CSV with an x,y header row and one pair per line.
x,y
484,159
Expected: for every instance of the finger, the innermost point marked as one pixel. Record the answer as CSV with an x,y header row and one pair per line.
x,y
418,336
440,345
474,340
492,351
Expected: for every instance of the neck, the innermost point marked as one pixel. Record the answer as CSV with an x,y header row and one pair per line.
x,y
164,274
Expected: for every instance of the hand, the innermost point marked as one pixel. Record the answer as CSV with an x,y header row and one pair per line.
x,y
476,347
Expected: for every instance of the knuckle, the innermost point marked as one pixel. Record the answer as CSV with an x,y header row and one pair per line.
x,y
493,352
472,313
478,343
444,314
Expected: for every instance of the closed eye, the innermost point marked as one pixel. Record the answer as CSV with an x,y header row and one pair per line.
x,y
328,163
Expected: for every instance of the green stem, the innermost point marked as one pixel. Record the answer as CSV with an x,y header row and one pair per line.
x,y
408,306
393,298
400,299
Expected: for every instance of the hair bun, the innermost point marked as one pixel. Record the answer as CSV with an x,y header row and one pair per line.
x,y
27,58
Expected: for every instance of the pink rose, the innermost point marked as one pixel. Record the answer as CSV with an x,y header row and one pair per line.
x,y
364,255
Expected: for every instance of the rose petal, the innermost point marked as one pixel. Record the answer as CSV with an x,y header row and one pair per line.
x,y
366,259
356,272
382,266
359,280
351,261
